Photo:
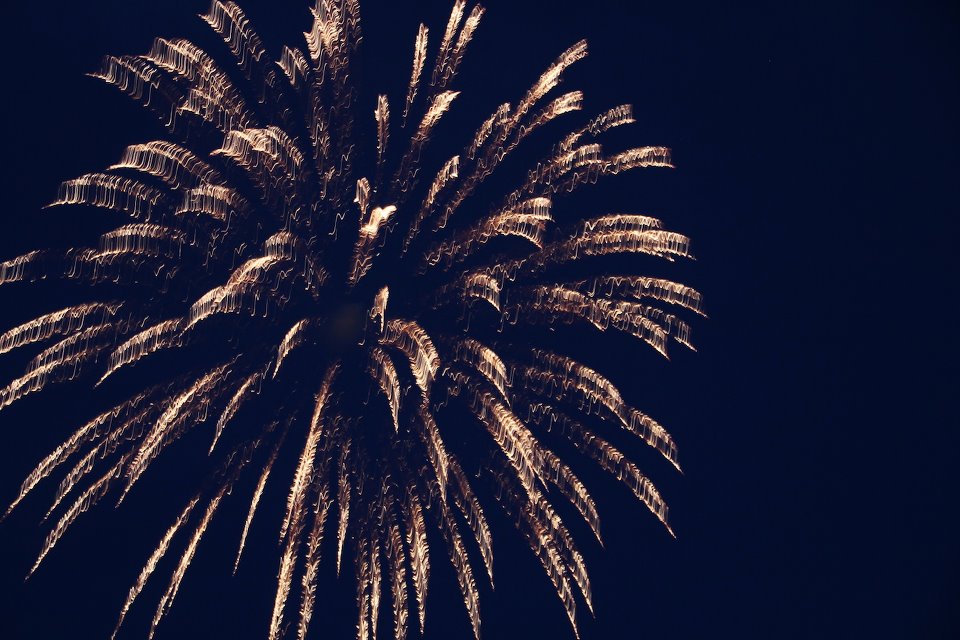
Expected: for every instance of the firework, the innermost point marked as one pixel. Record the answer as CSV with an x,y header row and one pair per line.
x,y
280,264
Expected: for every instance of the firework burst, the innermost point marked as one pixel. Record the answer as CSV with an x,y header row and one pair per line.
x,y
281,274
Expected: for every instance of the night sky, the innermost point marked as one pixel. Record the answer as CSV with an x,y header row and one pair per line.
x,y
816,151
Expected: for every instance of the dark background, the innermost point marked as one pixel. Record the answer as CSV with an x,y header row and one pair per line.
x,y
816,146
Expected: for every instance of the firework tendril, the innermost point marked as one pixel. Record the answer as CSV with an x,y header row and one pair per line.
x,y
365,303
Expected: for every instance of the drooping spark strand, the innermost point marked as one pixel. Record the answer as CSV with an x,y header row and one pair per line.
x,y
255,500
151,565
296,501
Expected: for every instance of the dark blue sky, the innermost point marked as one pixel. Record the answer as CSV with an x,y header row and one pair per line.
x,y
816,146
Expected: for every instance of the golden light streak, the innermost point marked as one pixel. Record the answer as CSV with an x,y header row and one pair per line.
x,y
255,500
167,600
190,403
293,524
110,192
163,335
151,564
416,535
314,544
383,371
410,338
419,58
65,321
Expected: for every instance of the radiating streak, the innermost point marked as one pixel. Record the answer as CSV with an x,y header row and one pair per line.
x,y
547,517
353,23
65,321
510,434
269,156
108,444
192,403
607,456
110,192
573,489
453,23
325,37
343,498
547,81
447,173
247,387
469,505
523,446
548,173
81,505
301,478
282,245
212,96
19,268
167,600
384,373
461,565
456,53
484,287
436,450
218,202
274,164
567,103
362,563
294,65
439,99
419,58
628,317
64,360
151,565
177,166
228,20
560,375
295,337
440,104
255,500
312,560
607,235
376,576
244,294
528,220
397,565
546,464
144,82
416,536
491,125
163,335
591,168
151,240
639,287
293,523
89,431
256,271
410,338
382,116
615,117
486,362
370,225
540,536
